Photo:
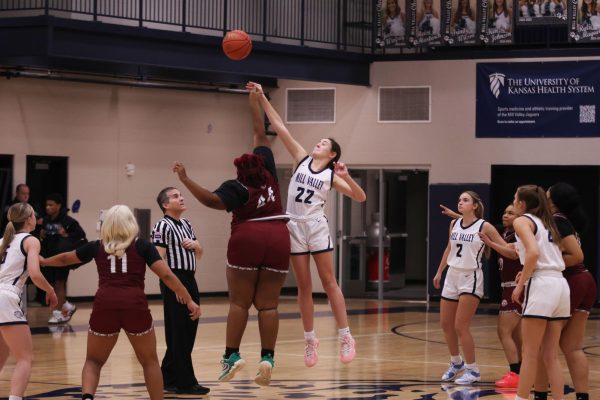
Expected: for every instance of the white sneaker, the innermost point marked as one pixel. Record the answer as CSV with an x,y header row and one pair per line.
x,y
453,370
468,377
70,309
57,318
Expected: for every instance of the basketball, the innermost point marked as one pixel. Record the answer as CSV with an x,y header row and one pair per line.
x,y
237,45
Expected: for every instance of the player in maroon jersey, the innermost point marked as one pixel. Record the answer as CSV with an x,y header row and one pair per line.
x,y
258,250
120,302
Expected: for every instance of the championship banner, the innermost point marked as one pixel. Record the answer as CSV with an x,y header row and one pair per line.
x,y
541,12
425,25
495,22
391,23
460,26
550,99
584,20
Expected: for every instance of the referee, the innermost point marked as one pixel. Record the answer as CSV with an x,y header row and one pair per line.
x,y
176,242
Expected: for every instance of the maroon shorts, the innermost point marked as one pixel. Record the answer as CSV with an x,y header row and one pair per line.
x,y
110,322
257,245
583,291
507,304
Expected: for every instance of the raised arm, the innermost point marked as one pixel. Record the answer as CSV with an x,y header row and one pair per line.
x,y
204,196
343,183
258,121
292,146
492,239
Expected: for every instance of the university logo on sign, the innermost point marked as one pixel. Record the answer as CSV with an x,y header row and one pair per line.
x,y
496,82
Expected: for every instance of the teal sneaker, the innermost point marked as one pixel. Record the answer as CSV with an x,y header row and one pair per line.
x,y
265,367
230,366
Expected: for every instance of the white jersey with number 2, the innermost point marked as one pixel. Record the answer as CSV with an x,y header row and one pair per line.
x,y
466,247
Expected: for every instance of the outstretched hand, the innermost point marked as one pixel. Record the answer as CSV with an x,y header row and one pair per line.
x,y
179,169
340,169
254,87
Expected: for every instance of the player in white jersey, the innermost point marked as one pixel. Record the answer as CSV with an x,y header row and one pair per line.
x,y
313,177
463,286
19,259
547,305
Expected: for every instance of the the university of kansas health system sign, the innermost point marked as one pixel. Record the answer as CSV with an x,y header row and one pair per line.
x,y
540,99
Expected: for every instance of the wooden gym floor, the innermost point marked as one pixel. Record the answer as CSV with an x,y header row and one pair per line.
x,y
401,355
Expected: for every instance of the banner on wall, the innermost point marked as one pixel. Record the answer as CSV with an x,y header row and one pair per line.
x,y
392,23
459,21
541,12
495,21
551,99
425,24
584,20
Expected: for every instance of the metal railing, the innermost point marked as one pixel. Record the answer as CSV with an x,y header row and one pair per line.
x,y
335,24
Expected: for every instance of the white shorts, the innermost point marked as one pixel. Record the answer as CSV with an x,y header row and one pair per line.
x,y
462,281
547,297
309,236
10,308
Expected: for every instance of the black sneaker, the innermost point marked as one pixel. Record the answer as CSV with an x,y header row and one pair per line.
x,y
170,389
196,389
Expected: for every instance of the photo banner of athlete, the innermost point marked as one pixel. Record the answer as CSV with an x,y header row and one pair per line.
x,y
535,99
391,23
542,12
425,24
584,21
495,20
459,22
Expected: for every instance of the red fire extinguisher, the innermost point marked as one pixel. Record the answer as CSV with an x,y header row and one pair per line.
x,y
373,265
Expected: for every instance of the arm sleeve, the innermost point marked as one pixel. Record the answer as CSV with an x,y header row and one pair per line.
x,y
147,251
233,194
564,227
267,154
88,251
160,234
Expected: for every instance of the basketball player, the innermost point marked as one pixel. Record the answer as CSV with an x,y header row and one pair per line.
x,y
571,219
544,315
258,251
509,317
463,286
120,302
314,176
19,258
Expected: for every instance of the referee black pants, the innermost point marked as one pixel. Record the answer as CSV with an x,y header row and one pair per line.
x,y
180,334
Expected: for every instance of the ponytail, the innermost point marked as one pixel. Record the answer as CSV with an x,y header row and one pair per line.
x,y
337,149
9,234
17,215
537,204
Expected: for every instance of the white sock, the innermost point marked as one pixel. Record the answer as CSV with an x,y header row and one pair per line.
x,y
344,331
472,367
519,398
13,397
310,335
456,359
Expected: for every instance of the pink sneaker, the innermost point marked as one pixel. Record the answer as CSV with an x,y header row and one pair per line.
x,y
347,349
310,352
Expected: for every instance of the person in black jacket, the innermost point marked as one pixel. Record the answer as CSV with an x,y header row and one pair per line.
x,y
59,233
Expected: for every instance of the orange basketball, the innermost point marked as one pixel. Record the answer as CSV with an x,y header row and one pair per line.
x,y
237,45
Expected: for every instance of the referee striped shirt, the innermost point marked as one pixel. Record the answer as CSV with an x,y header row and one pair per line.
x,y
169,233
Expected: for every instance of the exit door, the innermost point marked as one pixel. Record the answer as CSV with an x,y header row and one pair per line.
x,y
397,200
